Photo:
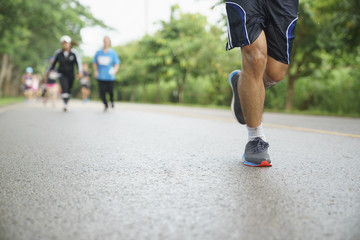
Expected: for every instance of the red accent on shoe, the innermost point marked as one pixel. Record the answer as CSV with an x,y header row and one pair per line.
x,y
263,164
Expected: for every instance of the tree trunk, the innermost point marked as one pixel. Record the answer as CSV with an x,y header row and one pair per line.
x,y
132,97
144,92
17,84
181,93
124,93
158,90
181,88
290,92
8,83
3,73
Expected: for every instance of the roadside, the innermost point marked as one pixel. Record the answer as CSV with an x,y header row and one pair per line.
x,y
300,121
8,101
5,101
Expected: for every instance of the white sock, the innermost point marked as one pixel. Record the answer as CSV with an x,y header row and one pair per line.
x,y
256,132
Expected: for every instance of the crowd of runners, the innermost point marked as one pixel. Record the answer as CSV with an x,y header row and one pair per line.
x,y
64,67
263,30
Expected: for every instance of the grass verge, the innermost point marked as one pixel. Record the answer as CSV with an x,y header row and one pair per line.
x,y
7,101
315,113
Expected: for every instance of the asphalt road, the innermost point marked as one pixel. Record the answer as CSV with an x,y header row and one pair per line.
x,y
166,172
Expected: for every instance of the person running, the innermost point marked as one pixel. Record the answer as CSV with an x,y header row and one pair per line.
x,y
67,58
52,88
36,79
85,83
27,81
106,64
265,31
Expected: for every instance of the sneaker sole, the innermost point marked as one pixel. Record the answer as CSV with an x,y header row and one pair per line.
x,y
238,116
250,164
263,164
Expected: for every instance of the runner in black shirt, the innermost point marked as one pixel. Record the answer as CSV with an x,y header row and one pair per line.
x,y
67,58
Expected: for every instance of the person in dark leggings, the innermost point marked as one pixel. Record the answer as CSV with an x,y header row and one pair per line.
x,y
67,58
106,64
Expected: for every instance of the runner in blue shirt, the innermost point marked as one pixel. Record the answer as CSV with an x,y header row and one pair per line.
x,y
106,64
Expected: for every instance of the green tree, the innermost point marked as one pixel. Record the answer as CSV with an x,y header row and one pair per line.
x,y
131,70
29,34
326,51
154,56
187,55
215,64
306,53
183,35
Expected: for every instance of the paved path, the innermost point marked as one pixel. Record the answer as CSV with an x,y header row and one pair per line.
x,y
164,172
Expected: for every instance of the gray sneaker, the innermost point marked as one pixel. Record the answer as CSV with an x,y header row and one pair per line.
x,y
235,103
256,154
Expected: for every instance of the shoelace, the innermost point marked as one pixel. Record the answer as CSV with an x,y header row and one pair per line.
x,y
258,145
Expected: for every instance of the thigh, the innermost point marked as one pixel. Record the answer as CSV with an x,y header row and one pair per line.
x,y
71,81
101,86
107,86
64,83
53,90
275,70
254,57
110,86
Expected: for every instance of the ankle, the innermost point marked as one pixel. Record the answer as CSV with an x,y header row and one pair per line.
x,y
256,132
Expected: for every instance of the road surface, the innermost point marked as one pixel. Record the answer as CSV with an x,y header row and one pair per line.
x,y
166,172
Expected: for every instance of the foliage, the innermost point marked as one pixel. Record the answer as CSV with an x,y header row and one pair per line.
x,y
185,61
8,101
30,31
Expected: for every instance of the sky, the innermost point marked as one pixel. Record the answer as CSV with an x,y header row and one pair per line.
x,y
131,20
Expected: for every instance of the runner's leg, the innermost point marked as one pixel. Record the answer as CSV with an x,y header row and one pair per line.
x,y
65,89
102,90
111,92
251,87
274,72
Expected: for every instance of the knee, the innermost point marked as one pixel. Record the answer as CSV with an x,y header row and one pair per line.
x,y
275,75
256,58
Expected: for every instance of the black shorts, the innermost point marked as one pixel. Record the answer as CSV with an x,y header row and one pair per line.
x,y
51,81
247,18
